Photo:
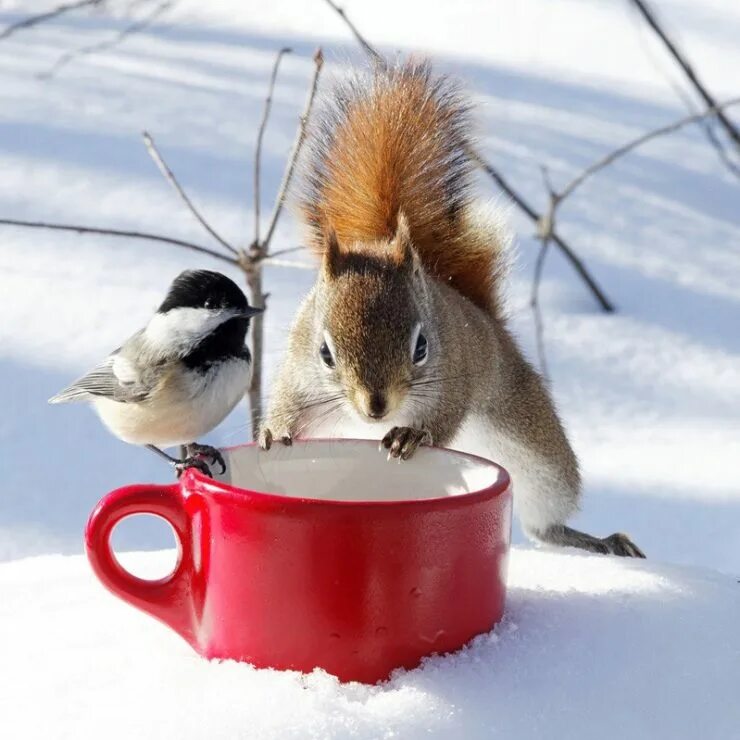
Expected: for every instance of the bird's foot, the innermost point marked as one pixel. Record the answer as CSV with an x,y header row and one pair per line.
x,y
193,459
202,453
181,466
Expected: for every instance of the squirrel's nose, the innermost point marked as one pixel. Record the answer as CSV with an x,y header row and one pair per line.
x,y
376,405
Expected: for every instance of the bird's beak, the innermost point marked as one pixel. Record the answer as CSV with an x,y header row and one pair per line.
x,y
250,311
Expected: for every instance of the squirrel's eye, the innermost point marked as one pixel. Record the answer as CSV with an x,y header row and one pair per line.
x,y
326,355
421,350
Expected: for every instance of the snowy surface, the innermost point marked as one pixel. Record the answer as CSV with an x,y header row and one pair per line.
x,y
650,395
590,647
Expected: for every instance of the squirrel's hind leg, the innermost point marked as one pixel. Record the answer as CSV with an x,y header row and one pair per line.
x,y
615,544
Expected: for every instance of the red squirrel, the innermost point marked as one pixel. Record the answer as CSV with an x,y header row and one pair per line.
x,y
403,337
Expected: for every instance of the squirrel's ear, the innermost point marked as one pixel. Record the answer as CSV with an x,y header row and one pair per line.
x,y
331,255
403,249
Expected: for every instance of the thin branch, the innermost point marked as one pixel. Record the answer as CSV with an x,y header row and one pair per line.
x,y
260,134
707,125
639,141
546,222
718,146
570,255
253,275
134,27
300,137
251,260
172,180
120,233
545,229
689,71
34,20
367,48
539,327
287,250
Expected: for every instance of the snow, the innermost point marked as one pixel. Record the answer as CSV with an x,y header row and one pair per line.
x,y
590,647
650,395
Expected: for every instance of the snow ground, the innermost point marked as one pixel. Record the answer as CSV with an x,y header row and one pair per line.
x,y
590,647
650,395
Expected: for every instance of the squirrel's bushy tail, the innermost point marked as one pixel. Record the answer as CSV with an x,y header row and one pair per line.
x,y
399,140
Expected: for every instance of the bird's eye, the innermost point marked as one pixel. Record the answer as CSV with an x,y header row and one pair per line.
x,y
421,350
326,355
209,303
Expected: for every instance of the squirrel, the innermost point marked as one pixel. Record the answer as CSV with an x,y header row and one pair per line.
x,y
405,326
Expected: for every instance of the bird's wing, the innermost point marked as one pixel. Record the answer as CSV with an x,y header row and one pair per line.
x,y
118,377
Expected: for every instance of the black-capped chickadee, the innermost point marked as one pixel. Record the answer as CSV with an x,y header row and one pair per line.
x,y
180,376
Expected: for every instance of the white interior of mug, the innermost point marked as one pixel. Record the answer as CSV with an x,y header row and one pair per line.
x,y
356,470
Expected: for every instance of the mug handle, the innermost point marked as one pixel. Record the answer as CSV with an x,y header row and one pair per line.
x,y
169,599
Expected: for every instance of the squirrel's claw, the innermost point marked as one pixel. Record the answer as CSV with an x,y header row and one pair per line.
x,y
265,439
620,544
402,442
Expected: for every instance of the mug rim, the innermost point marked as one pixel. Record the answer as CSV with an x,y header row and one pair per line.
x,y
194,479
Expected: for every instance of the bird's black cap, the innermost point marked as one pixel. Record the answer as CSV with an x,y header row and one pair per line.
x,y
205,289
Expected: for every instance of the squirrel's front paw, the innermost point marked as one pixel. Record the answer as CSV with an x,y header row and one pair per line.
x,y
401,442
265,438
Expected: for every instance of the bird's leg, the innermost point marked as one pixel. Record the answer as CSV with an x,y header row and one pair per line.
x,y
192,461
199,451
163,454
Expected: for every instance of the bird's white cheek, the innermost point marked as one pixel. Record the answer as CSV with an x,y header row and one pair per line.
x,y
181,326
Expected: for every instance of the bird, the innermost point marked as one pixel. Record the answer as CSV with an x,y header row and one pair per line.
x,y
180,376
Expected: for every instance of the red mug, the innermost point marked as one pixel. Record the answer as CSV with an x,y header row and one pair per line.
x,y
323,554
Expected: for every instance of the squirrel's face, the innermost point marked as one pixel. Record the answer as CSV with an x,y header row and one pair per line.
x,y
374,338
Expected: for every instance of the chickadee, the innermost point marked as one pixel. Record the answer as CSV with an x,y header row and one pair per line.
x,y
181,375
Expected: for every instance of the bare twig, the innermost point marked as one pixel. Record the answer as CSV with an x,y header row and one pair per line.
x,y
300,137
539,327
119,233
260,134
707,125
251,260
367,48
257,298
717,144
34,20
287,250
134,27
172,180
683,62
546,227
547,221
638,141
567,251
